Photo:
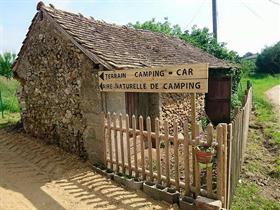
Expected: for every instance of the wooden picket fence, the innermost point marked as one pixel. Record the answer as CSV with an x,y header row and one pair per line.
x,y
172,162
237,142
167,157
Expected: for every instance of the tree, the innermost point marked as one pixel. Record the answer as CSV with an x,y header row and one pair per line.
x,y
200,38
6,61
269,60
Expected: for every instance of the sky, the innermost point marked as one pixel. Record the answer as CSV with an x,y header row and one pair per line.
x,y
245,25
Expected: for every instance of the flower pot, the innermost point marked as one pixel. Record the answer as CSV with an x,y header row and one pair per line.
x,y
99,170
187,203
110,174
121,179
154,192
203,157
135,184
170,195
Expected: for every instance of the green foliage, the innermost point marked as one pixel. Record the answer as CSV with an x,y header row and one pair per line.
x,y
246,197
9,119
8,88
269,60
247,67
6,61
200,38
165,27
205,40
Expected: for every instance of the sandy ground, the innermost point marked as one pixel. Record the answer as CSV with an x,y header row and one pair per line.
x,y
38,176
274,96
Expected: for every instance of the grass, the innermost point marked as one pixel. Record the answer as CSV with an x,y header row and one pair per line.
x,y
264,110
249,199
247,193
8,88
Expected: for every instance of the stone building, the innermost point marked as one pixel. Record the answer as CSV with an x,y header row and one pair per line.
x,y
58,66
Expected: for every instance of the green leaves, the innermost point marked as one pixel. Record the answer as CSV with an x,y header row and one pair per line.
x,y
269,60
200,38
6,61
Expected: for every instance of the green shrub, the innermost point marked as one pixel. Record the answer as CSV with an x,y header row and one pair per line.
x,y
8,88
6,61
269,60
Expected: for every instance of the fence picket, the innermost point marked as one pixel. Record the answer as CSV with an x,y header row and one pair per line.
x,y
135,146
166,149
141,127
157,127
224,192
209,166
220,162
176,155
110,140
150,148
186,159
122,142
116,140
128,144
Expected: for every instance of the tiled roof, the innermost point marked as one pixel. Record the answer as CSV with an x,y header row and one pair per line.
x,y
124,47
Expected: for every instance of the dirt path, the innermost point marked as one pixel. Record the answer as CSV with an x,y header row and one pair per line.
x,y
274,97
38,176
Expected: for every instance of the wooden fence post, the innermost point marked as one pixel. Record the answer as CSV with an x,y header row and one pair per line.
x,y
128,145
209,167
157,127
150,148
220,162
116,141
166,149
122,143
135,146
176,155
141,127
186,159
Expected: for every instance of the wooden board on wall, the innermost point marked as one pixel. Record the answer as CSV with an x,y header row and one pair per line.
x,y
188,78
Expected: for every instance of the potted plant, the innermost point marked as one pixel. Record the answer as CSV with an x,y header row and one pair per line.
x,y
204,153
135,184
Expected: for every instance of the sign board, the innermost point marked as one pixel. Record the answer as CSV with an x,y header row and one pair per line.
x,y
188,78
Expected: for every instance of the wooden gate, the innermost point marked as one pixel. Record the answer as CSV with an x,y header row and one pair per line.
x,y
218,100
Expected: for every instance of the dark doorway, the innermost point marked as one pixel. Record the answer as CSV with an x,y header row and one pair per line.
x,y
218,99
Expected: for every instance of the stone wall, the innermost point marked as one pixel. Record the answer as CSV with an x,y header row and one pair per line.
x,y
50,72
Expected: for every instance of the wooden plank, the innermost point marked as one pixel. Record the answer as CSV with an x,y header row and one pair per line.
x,y
166,151
104,138
224,193
135,146
172,72
186,159
141,127
193,126
220,162
209,166
176,154
122,142
170,86
229,168
150,148
157,127
128,145
110,141
197,172
116,140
